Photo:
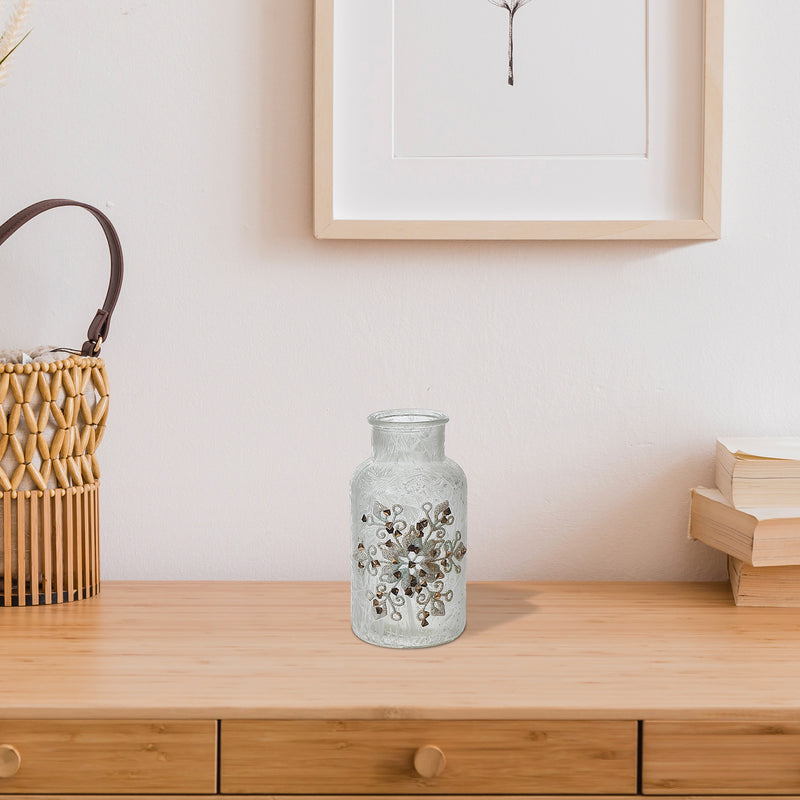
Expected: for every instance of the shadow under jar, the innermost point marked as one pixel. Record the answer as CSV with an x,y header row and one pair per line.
x,y
409,528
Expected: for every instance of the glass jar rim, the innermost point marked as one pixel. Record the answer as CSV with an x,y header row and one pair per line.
x,y
407,418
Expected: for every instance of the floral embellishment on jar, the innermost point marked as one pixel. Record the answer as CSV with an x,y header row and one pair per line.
x,y
411,560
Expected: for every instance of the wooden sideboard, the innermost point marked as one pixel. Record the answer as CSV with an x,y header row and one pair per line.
x,y
611,689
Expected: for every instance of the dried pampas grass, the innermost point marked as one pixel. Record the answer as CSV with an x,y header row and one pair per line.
x,y
12,35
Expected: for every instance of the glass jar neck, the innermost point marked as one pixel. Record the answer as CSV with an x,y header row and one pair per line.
x,y
408,443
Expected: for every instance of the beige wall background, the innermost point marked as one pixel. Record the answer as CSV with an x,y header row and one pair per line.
x,y
586,382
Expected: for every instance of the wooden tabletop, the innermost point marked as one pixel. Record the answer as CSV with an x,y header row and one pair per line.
x,y
285,650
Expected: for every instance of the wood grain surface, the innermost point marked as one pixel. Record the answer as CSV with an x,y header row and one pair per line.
x,y
338,797
127,756
377,756
285,651
696,757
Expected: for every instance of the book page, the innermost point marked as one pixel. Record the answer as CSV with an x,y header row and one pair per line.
x,y
781,448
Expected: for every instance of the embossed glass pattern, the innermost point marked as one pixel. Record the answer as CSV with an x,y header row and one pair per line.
x,y
409,528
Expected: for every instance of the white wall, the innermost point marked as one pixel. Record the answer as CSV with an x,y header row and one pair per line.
x,y
586,382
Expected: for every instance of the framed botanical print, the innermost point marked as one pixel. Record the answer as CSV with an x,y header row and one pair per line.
x,y
518,119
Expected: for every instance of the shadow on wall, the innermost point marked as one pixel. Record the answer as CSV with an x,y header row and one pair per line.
x,y
286,88
620,533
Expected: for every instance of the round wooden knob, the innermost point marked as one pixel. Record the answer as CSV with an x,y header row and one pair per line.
x,y
10,760
429,761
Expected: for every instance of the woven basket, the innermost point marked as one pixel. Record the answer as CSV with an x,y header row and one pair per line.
x,y
52,419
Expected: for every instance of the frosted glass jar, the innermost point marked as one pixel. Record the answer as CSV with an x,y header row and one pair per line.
x,y
409,529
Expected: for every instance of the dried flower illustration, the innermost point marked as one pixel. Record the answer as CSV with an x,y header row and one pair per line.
x,y
512,6
11,37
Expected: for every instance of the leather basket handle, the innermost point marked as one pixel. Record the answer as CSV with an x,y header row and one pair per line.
x,y
98,330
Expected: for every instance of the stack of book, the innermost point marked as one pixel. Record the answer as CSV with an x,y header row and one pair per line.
x,y
754,516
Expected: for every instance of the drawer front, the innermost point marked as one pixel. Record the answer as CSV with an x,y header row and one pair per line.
x,y
720,758
427,757
102,756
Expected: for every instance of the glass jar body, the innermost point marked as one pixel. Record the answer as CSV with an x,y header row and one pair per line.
x,y
409,527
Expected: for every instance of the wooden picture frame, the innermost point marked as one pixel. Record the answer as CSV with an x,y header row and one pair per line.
x,y
330,224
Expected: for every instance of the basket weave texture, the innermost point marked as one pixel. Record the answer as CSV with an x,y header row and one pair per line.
x,y
52,420
50,545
